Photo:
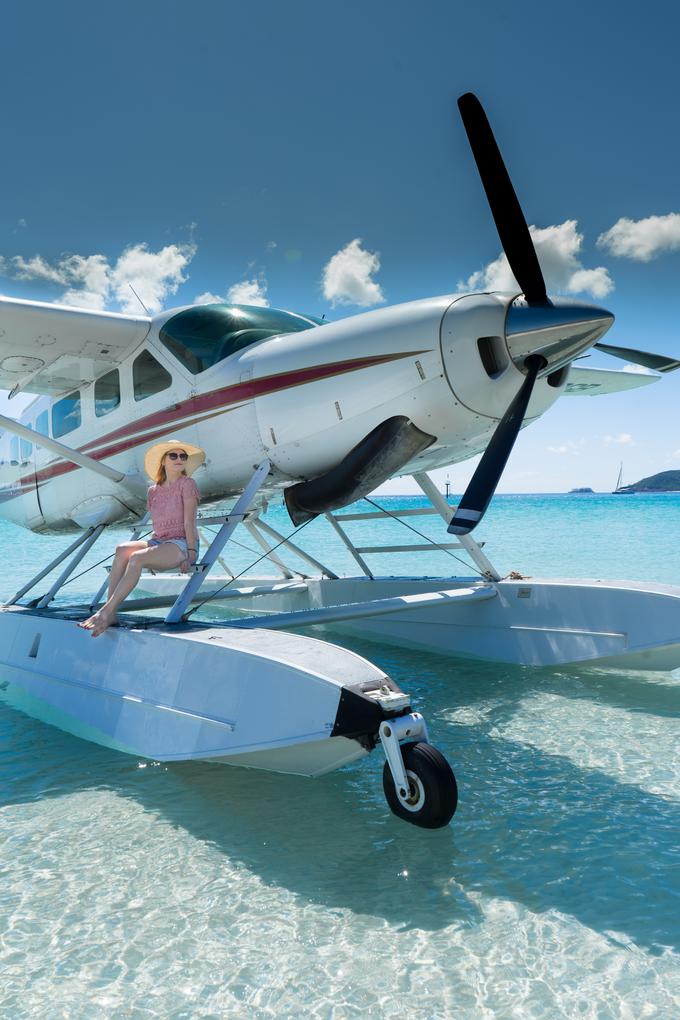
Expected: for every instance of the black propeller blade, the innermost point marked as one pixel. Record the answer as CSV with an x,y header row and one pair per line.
x,y
659,362
483,483
521,254
505,208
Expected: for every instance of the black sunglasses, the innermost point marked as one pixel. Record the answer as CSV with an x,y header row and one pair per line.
x,y
176,456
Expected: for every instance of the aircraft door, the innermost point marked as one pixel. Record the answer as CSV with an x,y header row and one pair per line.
x,y
28,480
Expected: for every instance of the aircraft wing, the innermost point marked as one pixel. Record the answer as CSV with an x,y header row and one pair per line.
x,y
591,382
52,349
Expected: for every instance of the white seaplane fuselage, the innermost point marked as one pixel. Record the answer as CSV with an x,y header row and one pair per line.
x,y
302,400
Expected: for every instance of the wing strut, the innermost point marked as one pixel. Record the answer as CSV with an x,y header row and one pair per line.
x,y
135,484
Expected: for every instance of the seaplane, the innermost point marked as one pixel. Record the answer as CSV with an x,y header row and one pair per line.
x,y
319,414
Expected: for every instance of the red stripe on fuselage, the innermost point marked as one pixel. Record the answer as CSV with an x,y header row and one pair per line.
x,y
220,399
245,391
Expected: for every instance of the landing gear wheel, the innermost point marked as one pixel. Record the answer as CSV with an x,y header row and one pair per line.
x,y
433,794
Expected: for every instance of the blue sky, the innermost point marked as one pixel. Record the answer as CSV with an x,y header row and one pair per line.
x,y
195,147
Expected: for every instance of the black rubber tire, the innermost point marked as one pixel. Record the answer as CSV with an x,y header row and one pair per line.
x,y
435,787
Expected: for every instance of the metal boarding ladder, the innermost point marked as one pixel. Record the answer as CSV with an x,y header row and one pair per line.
x,y
439,506
236,517
242,514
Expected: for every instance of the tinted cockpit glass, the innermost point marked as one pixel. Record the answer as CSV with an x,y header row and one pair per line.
x,y
199,337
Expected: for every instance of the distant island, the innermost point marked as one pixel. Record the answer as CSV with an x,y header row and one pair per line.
x,y
583,489
664,481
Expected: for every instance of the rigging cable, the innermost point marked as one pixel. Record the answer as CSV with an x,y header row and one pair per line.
x,y
231,580
427,538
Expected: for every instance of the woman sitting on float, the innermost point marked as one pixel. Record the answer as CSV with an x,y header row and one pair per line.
x,y
172,502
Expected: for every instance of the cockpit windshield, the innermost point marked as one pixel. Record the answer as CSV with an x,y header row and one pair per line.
x,y
201,336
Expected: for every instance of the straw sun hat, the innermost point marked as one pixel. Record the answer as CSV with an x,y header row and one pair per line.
x,y
154,455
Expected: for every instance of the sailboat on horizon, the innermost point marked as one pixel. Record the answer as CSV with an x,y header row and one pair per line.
x,y
620,488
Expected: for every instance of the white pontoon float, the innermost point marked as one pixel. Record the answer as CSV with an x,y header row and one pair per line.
x,y
172,689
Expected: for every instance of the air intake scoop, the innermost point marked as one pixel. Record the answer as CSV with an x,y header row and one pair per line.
x,y
372,461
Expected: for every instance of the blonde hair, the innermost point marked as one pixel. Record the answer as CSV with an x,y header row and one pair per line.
x,y
161,476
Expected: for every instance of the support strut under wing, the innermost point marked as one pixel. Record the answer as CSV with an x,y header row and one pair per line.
x,y
135,484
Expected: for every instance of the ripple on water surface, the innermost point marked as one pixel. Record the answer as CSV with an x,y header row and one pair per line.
x,y
138,890
198,890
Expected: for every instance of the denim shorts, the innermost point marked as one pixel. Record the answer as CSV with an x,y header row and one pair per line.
x,y
181,542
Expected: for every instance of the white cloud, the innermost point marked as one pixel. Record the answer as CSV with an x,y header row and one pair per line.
x,y
347,276
623,438
86,276
245,292
37,269
569,447
154,275
92,282
637,369
90,279
558,249
597,282
249,292
642,239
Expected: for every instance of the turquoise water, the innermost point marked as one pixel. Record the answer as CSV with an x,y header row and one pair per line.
x,y
132,889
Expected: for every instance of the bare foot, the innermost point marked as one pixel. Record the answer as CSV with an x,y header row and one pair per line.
x,y
102,621
98,623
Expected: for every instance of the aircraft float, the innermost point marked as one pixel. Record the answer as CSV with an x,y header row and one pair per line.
x,y
322,413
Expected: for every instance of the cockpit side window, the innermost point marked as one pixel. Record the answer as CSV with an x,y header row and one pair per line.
x,y
107,393
202,336
149,376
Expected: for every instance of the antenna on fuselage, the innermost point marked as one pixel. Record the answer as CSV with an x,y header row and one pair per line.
x,y
138,298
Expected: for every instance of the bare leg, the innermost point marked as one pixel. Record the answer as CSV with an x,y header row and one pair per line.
x,y
161,557
120,561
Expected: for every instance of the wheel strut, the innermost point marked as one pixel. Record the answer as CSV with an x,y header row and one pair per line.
x,y
411,726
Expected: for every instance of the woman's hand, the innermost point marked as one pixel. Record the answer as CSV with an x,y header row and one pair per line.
x,y
185,566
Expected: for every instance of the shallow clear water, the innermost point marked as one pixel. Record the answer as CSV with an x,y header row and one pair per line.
x,y
136,890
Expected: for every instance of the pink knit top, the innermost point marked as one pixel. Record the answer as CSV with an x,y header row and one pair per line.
x,y
166,503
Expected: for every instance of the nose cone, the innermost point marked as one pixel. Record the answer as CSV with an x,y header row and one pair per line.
x,y
558,332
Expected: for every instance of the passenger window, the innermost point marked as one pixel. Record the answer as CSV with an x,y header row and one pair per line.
x,y
66,415
14,450
107,393
42,424
149,376
26,448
